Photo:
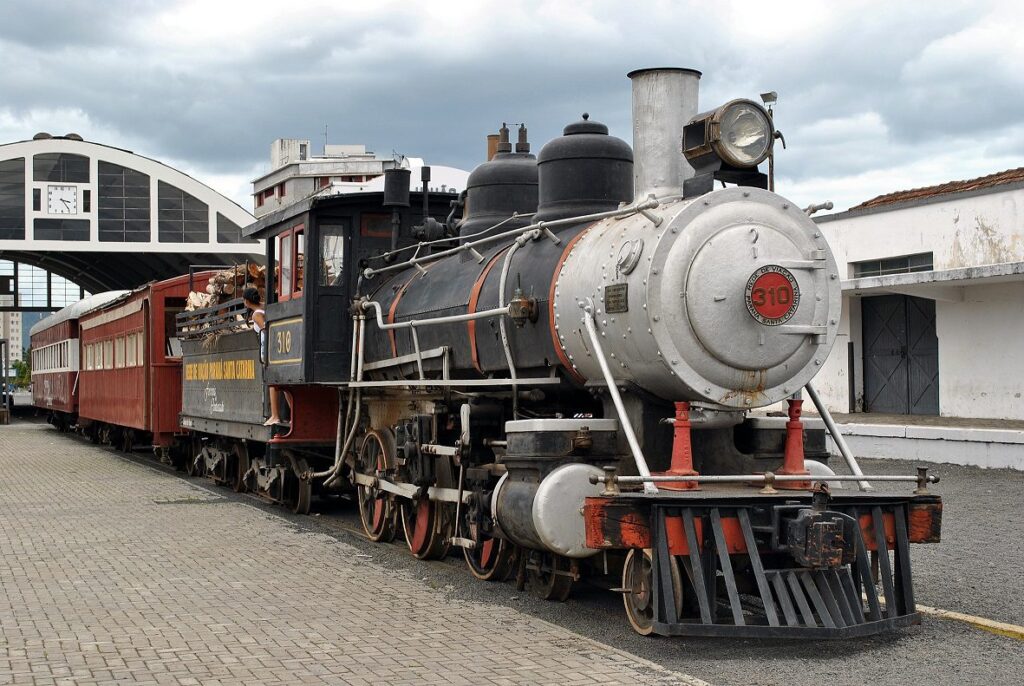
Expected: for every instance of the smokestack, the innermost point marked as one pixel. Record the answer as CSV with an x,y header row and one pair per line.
x,y
664,100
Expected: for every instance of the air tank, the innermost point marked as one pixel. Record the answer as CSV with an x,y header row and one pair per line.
x,y
583,171
539,502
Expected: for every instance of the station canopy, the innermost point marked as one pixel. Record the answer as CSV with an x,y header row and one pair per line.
x,y
104,218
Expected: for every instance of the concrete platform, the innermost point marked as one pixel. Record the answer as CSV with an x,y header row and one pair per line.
x,y
113,571
988,443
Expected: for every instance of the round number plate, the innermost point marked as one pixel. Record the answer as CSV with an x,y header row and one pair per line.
x,y
772,295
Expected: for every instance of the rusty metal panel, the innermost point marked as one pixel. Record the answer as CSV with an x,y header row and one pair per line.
x,y
615,524
925,522
55,391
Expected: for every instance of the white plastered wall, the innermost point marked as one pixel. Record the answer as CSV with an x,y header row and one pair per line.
x,y
981,353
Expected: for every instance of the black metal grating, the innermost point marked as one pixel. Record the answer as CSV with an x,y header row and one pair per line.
x,y
824,603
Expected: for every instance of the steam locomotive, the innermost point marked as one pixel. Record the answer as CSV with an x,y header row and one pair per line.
x,y
553,372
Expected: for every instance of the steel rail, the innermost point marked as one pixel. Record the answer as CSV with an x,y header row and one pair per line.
x,y
355,406
431,321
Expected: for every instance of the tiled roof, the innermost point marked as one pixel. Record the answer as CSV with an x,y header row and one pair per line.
x,y
998,179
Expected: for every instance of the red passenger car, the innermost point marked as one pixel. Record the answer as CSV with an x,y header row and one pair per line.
x,y
56,361
130,387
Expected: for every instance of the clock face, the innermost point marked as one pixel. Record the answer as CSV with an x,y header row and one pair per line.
x,y
62,200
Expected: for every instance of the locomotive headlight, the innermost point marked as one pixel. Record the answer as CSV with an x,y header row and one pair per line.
x,y
739,132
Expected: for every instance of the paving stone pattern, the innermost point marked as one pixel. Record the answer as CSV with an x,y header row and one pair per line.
x,y
115,572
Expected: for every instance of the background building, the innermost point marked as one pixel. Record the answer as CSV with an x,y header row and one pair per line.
x,y
933,302
105,218
11,329
296,173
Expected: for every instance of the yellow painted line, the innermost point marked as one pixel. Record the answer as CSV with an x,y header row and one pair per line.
x,y
990,625
281,322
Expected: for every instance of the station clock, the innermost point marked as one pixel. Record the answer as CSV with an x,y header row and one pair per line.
x,y
62,200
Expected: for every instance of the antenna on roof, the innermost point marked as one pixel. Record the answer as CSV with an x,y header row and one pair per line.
x,y
325,140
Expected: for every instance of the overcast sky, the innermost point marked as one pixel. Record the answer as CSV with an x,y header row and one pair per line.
x,y
873,96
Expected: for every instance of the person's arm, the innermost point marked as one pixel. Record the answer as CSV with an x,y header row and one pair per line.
x,y
260,319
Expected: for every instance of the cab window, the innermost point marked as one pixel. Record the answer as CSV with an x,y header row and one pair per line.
x,y
289,272
284,256
332,255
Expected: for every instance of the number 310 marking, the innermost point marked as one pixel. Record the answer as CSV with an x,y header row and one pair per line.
x,y
781,295
284,342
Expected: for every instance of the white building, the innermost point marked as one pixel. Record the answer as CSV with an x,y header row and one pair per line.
x,y
933,302
10,328
296,173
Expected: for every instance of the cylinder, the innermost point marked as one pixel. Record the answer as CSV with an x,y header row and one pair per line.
x,y
664,100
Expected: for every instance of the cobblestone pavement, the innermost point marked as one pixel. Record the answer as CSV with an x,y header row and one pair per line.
x,y
113,571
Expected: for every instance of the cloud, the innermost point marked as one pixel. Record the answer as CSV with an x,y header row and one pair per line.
x,y
871,93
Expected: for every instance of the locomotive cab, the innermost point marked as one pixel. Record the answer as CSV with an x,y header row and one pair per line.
x,y
316,248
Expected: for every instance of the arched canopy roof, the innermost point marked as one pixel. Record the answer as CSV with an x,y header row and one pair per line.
x,y
107,219
107,271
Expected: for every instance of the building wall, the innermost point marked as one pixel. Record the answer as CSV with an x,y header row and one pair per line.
x,y
294,170
833,381
296,188
961,232
980,366
981,353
